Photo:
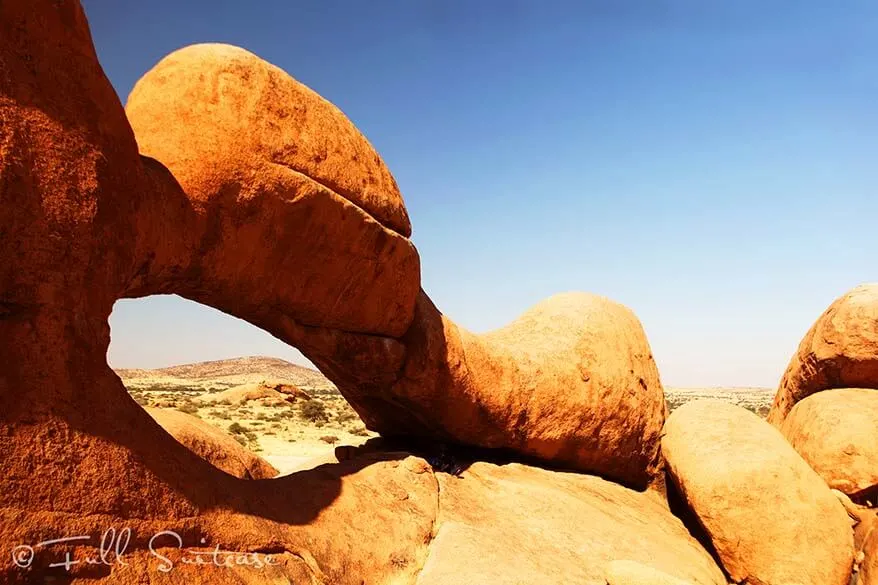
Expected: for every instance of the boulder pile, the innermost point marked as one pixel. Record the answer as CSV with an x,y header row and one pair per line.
x,y
226,181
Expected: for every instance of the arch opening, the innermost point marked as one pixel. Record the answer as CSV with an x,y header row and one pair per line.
x,y
209,378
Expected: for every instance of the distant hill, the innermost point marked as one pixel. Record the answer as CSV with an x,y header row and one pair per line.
x,y
232,371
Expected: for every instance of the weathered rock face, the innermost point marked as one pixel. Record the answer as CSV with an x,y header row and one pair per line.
x,y
292,211
85,221
572,382
514,524
633,573
770,517
308,244
836,432
251,115
213,445
869,568
839,351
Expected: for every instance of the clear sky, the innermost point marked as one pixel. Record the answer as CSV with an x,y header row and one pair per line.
x,y
713,165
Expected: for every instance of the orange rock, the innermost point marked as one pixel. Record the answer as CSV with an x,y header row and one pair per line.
x,y
251,115
839,351
572,382
218,448
836,432
86,220
869,568
290,210
512,524
770,517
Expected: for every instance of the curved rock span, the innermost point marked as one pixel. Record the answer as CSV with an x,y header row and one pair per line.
x,y
294,223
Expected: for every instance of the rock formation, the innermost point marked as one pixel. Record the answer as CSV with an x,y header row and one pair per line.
x,y
276,167
260,391
634,573
514,524
769,516
248,192
839,351
836,432
87,220
307,238
213,445
869,566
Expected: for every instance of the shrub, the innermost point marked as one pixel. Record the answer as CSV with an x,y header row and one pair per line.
x,y
314,411
188,408
237,429
331,439
346,415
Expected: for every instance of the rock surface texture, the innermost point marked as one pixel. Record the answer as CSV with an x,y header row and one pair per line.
x,y
213,445
869,567
839,351
633,573
836,432
514,524
770,517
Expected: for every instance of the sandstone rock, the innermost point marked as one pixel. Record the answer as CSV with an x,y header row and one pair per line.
x,y
249,392
572,382
769,516
514,524
292,392
293,211
213,445
869,568
836,432
632,573
839,351
86,220
251,114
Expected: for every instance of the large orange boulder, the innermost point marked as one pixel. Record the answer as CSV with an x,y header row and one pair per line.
x,y
869,567
769,516
572,381
836,432
513,524
839,351
218,448
290,210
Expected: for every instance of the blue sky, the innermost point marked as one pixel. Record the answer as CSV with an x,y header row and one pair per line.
x,y
713,165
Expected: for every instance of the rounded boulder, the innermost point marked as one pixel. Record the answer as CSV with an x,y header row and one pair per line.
x,y
770,517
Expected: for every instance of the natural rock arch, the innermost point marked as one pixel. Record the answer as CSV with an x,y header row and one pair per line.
x,y
291,221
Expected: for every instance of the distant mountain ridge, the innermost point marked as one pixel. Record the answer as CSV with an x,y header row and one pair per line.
x,y
233,370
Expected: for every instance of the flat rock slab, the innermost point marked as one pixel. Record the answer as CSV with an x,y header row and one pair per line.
x,y
514,524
